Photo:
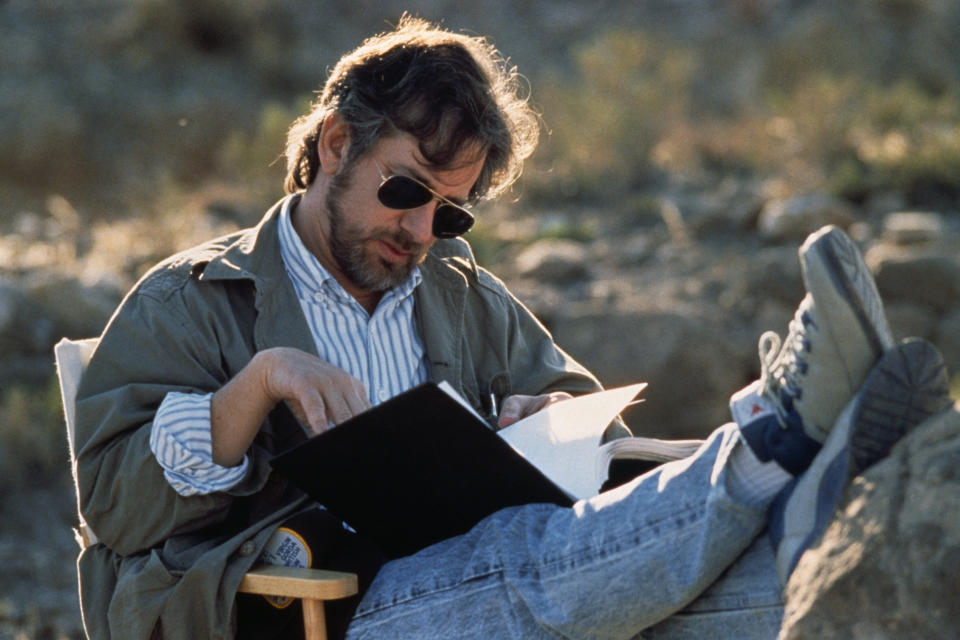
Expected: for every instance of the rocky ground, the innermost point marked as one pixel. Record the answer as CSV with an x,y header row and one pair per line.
x,y
38,598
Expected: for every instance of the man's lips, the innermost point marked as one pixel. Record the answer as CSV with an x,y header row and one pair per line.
x,y
392,252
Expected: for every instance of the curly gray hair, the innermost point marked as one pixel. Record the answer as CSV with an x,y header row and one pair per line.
x,y
447,90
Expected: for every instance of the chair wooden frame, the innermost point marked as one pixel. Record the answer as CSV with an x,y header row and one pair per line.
x,y
312,586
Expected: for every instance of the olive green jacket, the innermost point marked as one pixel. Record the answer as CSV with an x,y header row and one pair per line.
x,y
168,565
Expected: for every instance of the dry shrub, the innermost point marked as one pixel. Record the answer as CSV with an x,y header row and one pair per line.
x,y
606,113
34,451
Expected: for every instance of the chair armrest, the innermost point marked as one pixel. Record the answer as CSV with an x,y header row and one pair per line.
x,y
293,582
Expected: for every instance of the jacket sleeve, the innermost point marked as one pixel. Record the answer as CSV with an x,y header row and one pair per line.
x,y
537,364
152,346
534,362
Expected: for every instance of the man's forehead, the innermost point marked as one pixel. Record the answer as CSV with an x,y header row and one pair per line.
x,y
419,165
467,155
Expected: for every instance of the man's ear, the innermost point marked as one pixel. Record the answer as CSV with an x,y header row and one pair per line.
x,y
333,143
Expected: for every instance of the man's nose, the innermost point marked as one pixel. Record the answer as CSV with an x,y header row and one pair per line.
x,y
419,222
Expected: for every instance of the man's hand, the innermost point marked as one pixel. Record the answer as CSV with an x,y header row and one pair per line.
x,y
319,394
518,407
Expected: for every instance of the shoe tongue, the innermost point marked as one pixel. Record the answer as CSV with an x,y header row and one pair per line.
x,y
750,404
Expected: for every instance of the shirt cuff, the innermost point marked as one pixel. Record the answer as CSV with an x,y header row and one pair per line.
x,y
181,442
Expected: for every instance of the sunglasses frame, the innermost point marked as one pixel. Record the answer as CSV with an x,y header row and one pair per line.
x,y
438,218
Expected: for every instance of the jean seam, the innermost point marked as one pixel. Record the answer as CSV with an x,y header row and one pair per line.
x,y
633,539
411,597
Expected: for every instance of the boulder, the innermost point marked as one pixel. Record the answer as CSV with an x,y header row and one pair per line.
x,y
947,339
887,567
912,320
692,365
922,278
554,261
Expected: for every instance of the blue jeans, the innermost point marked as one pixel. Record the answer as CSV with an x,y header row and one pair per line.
x,y
669,555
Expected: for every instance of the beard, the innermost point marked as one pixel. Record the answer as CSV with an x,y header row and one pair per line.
x,y
350,246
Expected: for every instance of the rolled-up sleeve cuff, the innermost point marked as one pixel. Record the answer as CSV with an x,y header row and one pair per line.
x,y
181,442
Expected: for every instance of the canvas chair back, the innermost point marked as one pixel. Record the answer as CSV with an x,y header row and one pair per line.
x,y
72,357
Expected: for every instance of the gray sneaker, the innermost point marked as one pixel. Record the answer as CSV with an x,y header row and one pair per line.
x,y
908,385
837,335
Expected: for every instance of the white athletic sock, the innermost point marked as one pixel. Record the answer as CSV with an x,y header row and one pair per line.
x,y
751,482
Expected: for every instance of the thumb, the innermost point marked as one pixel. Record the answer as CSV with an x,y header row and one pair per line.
x,y
510,411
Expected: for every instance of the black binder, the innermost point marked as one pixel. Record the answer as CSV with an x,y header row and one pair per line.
x,y
415,470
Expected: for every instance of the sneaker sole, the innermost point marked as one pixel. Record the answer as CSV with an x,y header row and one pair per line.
x,y
850,276
908,385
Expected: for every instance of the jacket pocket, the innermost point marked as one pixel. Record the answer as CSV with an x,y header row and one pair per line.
x,y
144,583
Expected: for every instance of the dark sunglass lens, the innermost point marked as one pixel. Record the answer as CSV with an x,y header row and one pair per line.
x,y
401,192
450,221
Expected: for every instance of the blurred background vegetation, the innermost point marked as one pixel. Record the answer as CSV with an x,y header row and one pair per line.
x,y
133,128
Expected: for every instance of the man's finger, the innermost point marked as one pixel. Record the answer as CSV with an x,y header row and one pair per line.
x,y
345,398
357,398
511,410
310,409
518,407
338,405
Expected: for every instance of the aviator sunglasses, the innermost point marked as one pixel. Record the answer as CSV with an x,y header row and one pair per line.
x,y
403,192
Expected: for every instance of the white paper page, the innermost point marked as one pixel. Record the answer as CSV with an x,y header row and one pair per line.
x,y
562,439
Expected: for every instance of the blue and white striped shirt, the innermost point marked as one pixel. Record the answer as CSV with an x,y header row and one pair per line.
x,y
383,350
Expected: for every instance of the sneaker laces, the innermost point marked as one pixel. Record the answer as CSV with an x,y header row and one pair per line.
x,y
782,364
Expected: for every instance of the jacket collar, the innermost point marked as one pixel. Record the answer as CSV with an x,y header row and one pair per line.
x,y
253,254
440,307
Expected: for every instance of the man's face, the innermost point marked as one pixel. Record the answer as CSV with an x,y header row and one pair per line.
x,y
376,247
374,259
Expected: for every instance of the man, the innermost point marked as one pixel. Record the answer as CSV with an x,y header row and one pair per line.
x,y
356,287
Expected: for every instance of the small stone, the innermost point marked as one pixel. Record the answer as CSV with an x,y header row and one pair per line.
x,y
798,216
908,227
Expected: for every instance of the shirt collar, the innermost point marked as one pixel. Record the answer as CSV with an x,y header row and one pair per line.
x,y
310,278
